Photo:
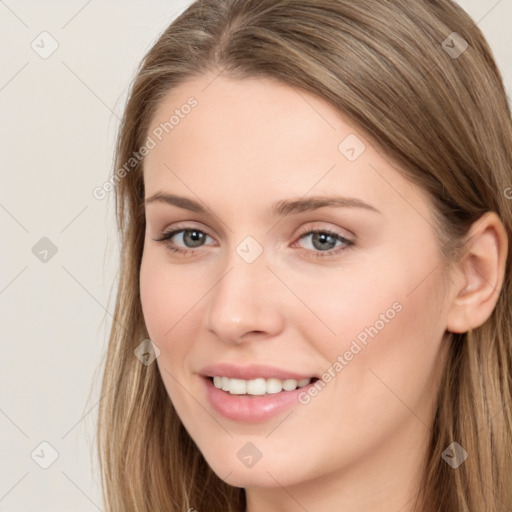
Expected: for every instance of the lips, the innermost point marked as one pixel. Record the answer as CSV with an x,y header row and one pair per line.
x,y
251,409
252,371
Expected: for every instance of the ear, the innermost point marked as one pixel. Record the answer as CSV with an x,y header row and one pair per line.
x,y
480,273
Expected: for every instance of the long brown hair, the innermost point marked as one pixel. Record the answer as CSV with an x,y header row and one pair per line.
x,y
433,102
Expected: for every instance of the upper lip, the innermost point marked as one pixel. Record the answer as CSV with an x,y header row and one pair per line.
x,y
251,371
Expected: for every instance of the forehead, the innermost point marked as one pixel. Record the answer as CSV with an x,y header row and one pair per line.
x,y
246,116
236,140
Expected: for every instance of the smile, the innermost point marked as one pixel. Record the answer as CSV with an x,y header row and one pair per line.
x,y
254,403
258,386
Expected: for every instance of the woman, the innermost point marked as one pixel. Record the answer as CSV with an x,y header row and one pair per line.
x,y
314,306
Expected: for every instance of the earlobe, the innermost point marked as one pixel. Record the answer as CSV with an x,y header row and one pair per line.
x,y
481,269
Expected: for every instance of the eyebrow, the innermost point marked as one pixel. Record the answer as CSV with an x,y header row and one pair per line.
x,y
279,209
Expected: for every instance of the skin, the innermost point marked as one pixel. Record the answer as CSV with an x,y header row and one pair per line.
x,y
357,445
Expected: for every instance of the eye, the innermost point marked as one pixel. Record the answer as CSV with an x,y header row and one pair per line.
x,y
323,242
191,237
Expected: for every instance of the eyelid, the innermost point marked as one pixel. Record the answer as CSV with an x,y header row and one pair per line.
x,y
319,226
347,241
168,234
185,227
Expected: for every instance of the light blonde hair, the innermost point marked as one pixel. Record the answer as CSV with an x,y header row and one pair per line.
x,y
443,118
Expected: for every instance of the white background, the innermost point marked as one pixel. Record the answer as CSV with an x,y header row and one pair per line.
x,y
59,117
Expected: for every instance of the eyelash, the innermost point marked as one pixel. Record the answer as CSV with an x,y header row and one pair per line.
x,y
318,254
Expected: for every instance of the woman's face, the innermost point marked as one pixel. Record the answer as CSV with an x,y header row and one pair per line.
x,y
360,304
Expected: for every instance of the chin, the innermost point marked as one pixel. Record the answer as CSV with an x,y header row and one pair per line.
x,y
259,475
253,477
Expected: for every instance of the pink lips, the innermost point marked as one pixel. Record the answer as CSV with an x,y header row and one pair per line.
x,y
251,409
248,408
251,371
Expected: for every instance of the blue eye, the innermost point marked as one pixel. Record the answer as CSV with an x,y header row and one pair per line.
x,y
193,238
325,236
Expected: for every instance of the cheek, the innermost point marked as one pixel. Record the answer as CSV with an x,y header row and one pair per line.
x,y
393,296
165,298
386,313
349,304
165,303
155,297
388,322
171,298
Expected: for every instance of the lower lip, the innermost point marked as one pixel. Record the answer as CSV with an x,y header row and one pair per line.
x,y
249,408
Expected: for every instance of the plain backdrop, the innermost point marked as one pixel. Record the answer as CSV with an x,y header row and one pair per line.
x,y
58,255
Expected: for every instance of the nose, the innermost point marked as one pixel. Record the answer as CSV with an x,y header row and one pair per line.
x,y
246,303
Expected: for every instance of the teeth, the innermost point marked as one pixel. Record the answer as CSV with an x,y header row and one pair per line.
x,y
258,386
